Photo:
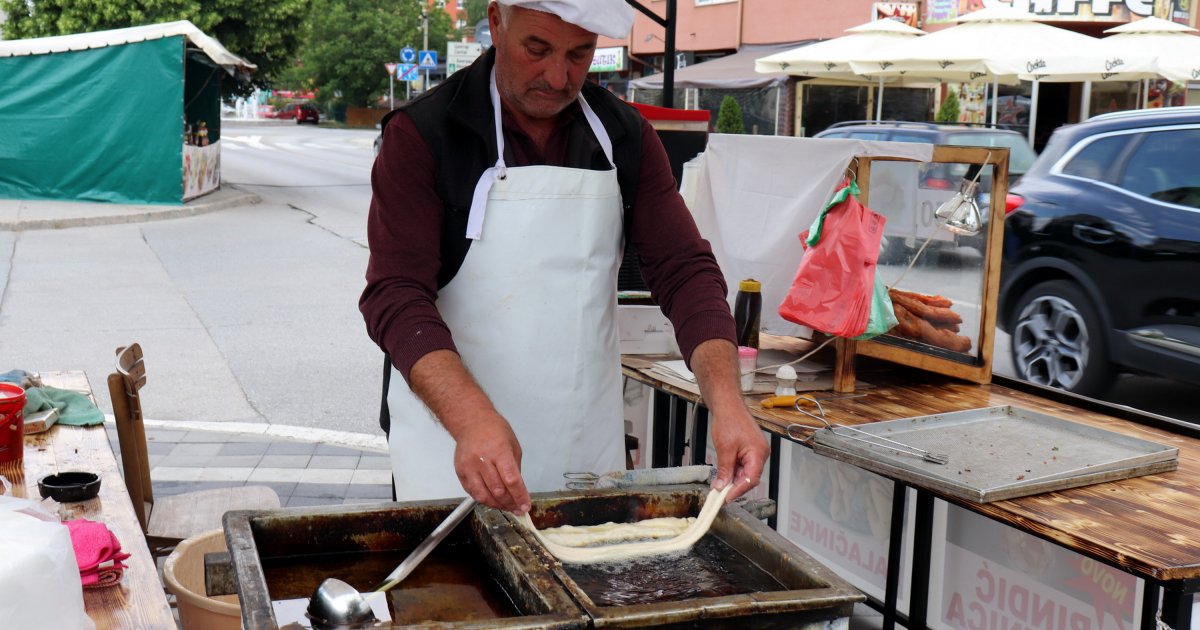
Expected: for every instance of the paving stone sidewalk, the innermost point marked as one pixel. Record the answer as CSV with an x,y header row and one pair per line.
x,y
301,473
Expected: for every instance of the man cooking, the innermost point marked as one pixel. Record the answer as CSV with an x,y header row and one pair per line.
x,y
501,200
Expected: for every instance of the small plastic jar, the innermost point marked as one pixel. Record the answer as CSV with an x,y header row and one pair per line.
x,y
785,381
747,363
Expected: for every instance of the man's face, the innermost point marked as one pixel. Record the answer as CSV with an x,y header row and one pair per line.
x,y
541,61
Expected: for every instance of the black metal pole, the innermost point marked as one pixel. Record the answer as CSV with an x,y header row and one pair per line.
x,y
775,464
895,555
661,429
669,57
918,607
699,441
668,25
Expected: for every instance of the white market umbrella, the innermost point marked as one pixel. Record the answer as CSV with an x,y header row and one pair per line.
x,y
999,44
1175,48
831,58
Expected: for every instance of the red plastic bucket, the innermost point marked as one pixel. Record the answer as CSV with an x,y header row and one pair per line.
x,y
12,423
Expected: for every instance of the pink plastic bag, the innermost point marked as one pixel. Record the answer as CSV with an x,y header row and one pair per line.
x,y
836,278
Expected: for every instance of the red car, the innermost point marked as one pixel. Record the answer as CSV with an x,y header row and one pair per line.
x,y
300,112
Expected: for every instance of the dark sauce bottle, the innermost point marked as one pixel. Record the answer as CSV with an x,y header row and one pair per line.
x,y
747,312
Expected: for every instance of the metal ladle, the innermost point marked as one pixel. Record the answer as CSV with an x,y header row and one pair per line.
x,y
336,604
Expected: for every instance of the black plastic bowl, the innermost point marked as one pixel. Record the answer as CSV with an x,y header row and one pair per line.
x,y
68,487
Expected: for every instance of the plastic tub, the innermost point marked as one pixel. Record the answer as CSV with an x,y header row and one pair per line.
x,y
184,575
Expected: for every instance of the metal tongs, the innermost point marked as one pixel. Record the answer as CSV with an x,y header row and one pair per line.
x,y
868,438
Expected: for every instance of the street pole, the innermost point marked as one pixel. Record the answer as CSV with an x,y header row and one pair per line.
x,y
425,45
391,90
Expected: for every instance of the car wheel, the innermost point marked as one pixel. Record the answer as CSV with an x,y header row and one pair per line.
x,y
1058,340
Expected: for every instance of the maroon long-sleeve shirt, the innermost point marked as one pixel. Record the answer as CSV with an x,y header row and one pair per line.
x,y
404,228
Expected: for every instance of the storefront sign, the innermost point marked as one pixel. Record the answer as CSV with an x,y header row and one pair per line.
x,y
201,169
997,577
1177,10
1075,10
608,60
461,54
972,101
941,11
905,12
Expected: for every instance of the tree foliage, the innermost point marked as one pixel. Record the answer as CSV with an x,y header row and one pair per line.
x,y
265,32
349,41
950,109
729,117
476,10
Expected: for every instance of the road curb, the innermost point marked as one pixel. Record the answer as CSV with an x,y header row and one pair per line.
x,y
51,215
361,441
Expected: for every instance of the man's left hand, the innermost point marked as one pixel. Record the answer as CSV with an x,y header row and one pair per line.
x,y
742,449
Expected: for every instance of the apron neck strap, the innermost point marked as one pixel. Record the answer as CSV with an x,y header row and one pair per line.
x,y
499,126
500,170
597,128
592,119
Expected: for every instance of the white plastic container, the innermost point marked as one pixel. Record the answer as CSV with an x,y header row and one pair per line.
x,y
747,363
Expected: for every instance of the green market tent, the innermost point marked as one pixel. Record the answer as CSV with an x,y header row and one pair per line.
x,y
106,116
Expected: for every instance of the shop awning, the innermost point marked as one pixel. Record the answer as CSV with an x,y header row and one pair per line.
x,y
131,35
107,116
732,72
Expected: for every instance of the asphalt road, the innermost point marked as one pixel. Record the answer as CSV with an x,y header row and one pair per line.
x,y
250,314
245,314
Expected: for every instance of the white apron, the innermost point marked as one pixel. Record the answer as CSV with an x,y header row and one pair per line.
x,y
532,311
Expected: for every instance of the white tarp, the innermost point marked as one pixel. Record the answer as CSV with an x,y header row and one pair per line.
x,y
752,196
133,34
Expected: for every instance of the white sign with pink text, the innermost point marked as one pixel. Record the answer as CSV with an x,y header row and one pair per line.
x,y
995,577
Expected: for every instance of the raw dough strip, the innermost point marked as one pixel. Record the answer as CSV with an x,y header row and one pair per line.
x,y
609,533
625,551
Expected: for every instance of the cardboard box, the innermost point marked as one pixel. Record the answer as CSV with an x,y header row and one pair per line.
x,y
645,330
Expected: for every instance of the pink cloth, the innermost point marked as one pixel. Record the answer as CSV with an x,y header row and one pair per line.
x,y
97,552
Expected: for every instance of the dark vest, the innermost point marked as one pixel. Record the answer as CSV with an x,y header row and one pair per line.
x,y
455,121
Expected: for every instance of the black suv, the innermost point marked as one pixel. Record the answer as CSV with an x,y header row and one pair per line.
x,y
1101,268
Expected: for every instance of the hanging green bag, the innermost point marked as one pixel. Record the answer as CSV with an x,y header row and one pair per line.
x,y
883,316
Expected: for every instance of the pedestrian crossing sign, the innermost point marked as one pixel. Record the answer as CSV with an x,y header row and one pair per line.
x,y
428,60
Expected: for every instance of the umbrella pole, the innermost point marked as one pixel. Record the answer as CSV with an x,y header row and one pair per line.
x,y
879,101
995,98
1145,93
1033,107
1085,102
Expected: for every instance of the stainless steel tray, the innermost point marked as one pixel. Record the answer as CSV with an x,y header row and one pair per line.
x,y
998,453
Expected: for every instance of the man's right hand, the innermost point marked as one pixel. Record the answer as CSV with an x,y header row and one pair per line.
x,y
487,457
488,462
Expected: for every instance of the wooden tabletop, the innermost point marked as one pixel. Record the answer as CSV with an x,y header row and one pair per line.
x,y
1145,525
139,600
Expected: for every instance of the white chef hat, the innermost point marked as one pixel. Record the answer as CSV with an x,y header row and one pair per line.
x,y
610,18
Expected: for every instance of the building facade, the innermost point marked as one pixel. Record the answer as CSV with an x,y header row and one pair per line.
x,y
710,29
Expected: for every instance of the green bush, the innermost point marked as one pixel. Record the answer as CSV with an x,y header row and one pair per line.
x,y
949,111
729,117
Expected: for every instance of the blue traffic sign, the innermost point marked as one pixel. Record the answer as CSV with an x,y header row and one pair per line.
x,y
407,72
408,55
428,60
